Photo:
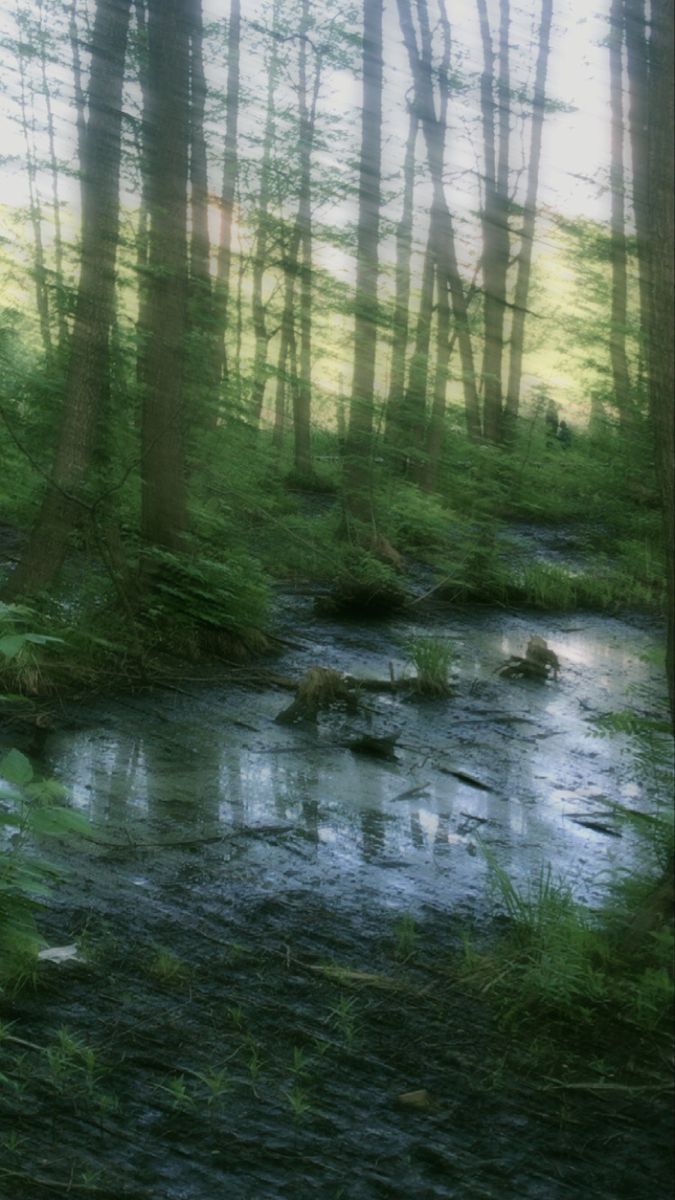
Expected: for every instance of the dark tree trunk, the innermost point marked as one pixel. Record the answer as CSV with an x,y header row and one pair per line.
x,y
661,317
523,269
60,292
201,392
357,470
163,509
393,433
617,343
638,70
87,378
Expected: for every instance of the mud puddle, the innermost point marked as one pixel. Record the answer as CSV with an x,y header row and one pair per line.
x,y
266,923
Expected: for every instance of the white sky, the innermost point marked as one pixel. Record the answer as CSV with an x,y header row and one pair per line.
x,y
575,148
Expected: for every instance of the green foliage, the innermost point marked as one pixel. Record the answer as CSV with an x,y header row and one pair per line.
x,y
432,658
560,962
199,604
24,650
29,809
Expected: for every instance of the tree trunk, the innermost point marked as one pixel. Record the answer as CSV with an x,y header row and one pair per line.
x,y
87,377
523,269
445,251
436,426
201,391
661,317
357,469
262,237
163,506
617,343
307,120
60,292
393,435
494,218
638,116
221,290
40,268
414,414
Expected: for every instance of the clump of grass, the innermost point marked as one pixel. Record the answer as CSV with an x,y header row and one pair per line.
x,y
432,658
559,961
26,652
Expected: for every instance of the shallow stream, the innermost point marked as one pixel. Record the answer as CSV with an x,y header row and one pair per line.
x,y
246,906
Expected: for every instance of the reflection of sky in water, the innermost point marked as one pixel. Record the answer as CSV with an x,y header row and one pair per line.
x,y
160,767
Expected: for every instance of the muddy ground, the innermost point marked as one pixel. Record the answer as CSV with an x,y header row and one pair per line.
x,y
266,1003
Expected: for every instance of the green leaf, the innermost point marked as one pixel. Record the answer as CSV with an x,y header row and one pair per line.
x,y
58,820
12,644
16,768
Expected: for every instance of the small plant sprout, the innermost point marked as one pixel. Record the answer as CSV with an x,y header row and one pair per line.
x,y
405,932
342,1016
298,1099
432,658
177,1089
217,1084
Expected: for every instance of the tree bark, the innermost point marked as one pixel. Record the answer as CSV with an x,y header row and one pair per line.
x,y
524,265
638,117
661,317
445,251
87,378
357,469
262,236
494,219
393,434
163,505
619,312
221,290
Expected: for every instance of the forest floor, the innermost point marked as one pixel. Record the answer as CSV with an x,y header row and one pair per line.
x,y
267,1003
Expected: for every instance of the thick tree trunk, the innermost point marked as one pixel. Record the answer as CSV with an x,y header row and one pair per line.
x,y
393,434
357,469
87,377
661,317
163,508
523,269
638,116
617,342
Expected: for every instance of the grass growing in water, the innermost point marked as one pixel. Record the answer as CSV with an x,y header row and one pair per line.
x,y
432,658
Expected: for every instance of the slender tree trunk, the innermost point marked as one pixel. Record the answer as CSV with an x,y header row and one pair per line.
x,y
494,219
617,343
221,291
262,237
201,391
414,414
163,505
436,426
393,434
661,317
87,377
62,323
638,115
307,120
40,268
524,266
143,228
357,469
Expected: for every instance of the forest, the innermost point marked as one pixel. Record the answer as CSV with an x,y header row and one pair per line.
x,y
337,600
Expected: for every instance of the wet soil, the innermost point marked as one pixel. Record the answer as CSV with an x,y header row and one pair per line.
x,y
266,1005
